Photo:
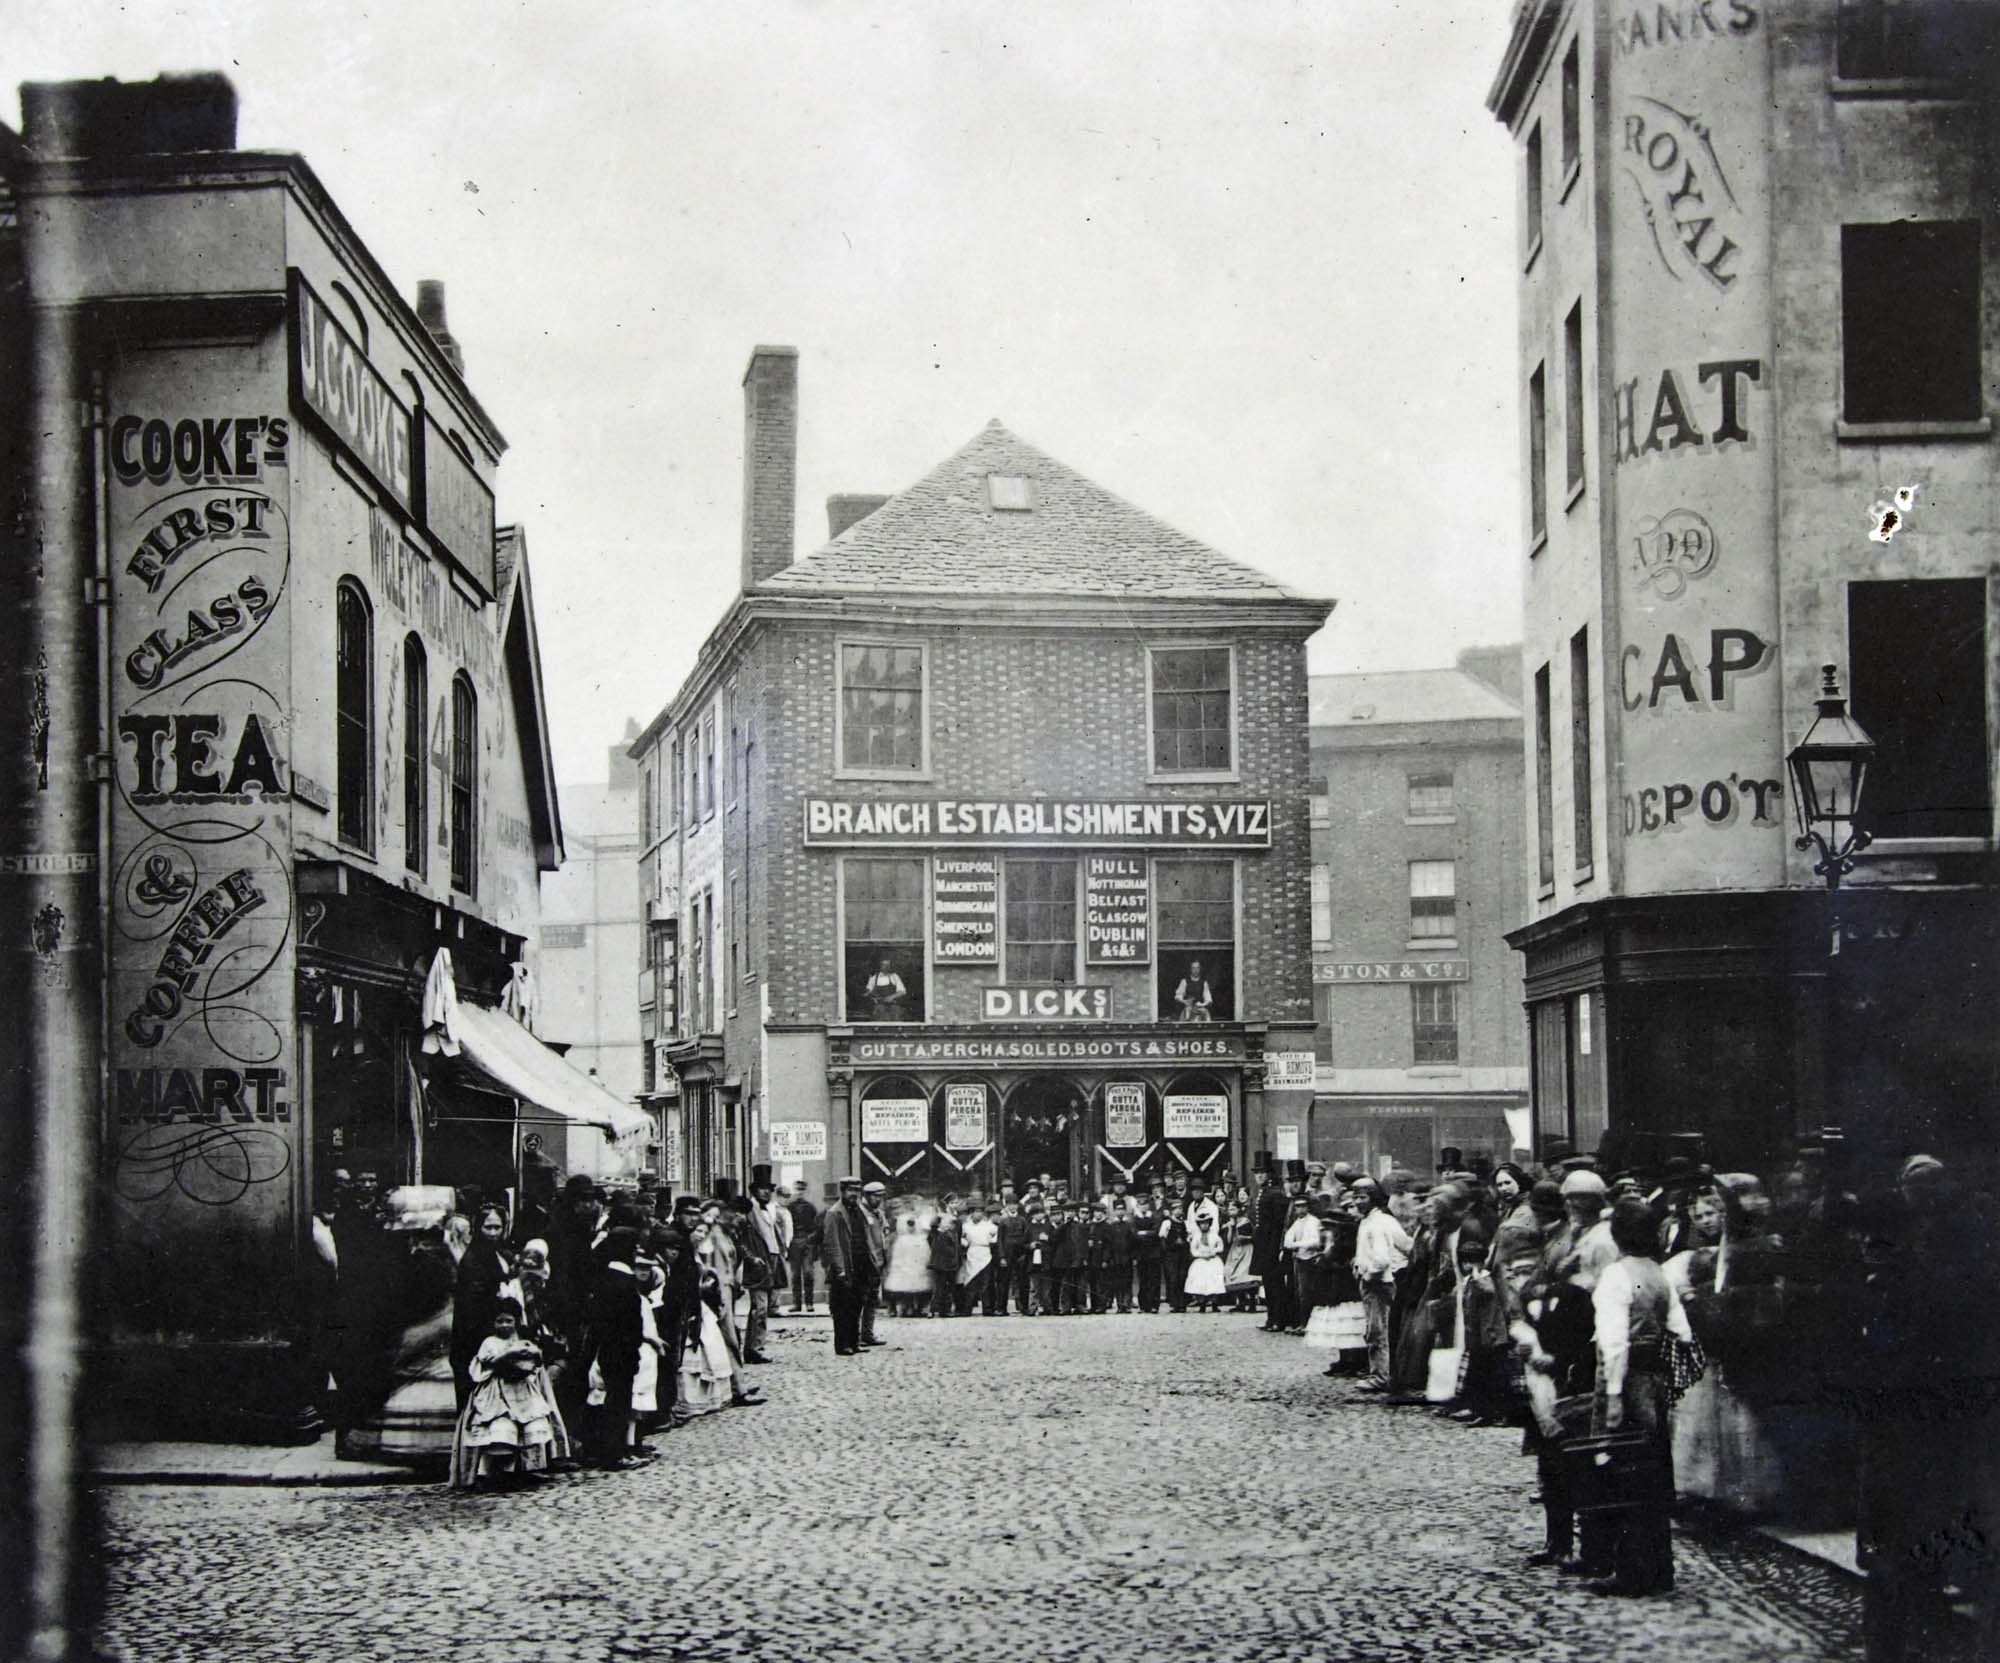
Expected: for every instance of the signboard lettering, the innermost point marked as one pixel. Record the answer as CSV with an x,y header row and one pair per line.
x,y
845,822
335,381
965,1117
1288,1070
895,1120
458,505
1065,1002
1124,1115
1117,909
1196,1116
798,1140
965,909
1392,970
1110,1048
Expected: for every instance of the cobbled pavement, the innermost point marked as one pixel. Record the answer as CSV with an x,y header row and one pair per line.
x,y
1115,1487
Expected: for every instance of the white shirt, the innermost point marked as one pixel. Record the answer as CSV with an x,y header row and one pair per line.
x,y
980,1235
1611,1301
1381,1247
1303,1236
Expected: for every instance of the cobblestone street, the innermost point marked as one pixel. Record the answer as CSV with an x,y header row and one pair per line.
x,y
1101,1488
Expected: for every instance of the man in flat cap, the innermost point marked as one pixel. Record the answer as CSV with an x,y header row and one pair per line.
x,y
850,1268
876,1231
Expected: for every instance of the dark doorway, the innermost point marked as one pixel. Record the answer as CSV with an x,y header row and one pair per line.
x,y
1043,1131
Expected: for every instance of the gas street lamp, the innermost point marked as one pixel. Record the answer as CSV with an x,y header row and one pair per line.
x,y
1829,769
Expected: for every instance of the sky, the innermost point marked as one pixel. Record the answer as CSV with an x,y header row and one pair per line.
x,y
1249,265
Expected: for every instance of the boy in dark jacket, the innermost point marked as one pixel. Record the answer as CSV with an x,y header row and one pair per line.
x,y
1114,1259
945,1252
1072,1246
1044,1298
1010,1267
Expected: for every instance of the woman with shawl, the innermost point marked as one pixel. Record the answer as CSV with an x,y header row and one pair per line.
x,y
483,1272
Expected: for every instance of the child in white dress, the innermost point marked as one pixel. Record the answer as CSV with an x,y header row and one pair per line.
x,y
508,1422
1205,1285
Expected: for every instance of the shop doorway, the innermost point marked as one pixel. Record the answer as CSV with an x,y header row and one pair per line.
x,y
1043,1131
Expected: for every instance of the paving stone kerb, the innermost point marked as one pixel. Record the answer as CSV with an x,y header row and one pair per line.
x,y
1094,1487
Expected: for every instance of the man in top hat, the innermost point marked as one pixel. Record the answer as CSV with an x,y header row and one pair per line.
x,y
850,1268
1267,1251
873,1194
770,1243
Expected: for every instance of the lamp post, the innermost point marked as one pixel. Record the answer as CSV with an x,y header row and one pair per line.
x,y
1829,769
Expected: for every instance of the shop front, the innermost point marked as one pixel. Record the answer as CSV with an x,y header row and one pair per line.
x,y
973,1109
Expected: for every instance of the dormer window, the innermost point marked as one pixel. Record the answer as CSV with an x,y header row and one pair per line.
x,y
1010,493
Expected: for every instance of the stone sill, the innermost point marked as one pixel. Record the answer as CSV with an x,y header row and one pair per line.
x,y
1878,433
1907,87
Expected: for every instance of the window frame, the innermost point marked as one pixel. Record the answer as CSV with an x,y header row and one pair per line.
x,y
362,839
1873,424
672,772
1228,775
1583,850
841,769
1321,878
1570,158
468,747
920,859
1025,857
1534,194
1447,991
1414,815
1538,457
1545,788
416,757
1161,864
1450,937
1575,450
708,786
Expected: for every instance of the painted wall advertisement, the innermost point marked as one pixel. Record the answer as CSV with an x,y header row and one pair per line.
x,y
1117,909
1698,795
965,1117
1124,1115
797,1140
203,1151
965,909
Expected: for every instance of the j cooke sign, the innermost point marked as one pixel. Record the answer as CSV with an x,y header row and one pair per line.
x,y
458,507
1067,1002
896,1120
845,822
334,380
965,908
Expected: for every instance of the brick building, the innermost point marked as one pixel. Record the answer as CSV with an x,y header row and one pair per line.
x,y
1760,295
292,707
976,840
1416,843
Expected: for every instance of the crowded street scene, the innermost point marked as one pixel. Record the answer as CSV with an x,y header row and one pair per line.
x,y
1074,830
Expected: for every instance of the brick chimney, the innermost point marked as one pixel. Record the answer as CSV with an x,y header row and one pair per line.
x,y
128,118
770,461
430,313
842,511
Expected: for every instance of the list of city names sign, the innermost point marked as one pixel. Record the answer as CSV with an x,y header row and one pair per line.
x,y
1117,909
965,909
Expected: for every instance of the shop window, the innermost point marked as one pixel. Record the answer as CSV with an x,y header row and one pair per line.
x,y
1322,905
881,707
1433,900
464,783
1572,110
1430,797
1041,921
1916,40
1323,1024
1574,412
1545,785
882,946
354,715
1191,710
1538,456
1531,181
1918,656
1197,952
1434,1018
416,756
1909,316
1580,794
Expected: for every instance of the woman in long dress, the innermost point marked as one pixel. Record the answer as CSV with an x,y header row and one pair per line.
x,y
483,1271
1241,1234
413,1417
1205,1282
507,1428
1337,1323
711,1368
907,1281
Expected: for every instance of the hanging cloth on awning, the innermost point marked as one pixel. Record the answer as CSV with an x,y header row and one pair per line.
x,y
441,1007
520,1065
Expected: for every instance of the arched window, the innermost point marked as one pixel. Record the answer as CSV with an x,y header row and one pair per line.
x,y
416,745
354,715
464,781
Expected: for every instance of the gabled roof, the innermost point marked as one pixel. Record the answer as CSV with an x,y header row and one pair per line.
x,y
942,536
1390,698
521,650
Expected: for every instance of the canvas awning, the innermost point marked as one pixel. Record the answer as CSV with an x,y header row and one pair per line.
x,y
522,1066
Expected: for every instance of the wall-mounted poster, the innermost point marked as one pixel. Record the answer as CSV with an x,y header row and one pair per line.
x,y
965,1117
1197,1115
1124,1115
896,1120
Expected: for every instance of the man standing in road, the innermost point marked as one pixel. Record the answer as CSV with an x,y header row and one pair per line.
x,y
850,1268
1267,1259
1147,1248
771,1238
876,1234
1114,1258
805,1247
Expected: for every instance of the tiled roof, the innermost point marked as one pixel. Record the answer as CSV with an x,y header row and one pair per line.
x,y
1386,698
941,537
